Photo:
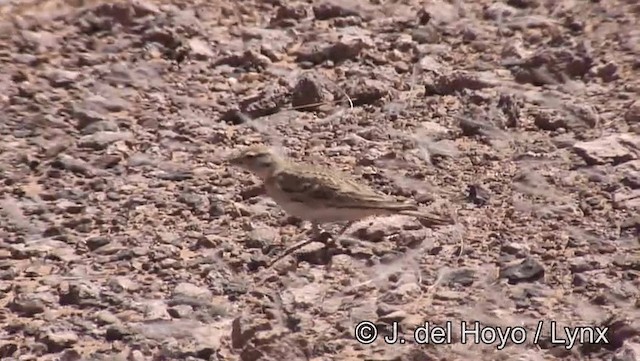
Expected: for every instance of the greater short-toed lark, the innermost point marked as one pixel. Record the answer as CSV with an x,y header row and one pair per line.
x,y
321,195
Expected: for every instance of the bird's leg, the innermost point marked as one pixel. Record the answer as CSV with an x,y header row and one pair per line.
x,y
317,235
315,232
344,229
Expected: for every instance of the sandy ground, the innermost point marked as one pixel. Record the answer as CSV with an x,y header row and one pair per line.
x,y
124,235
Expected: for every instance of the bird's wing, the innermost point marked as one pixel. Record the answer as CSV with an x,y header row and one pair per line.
x,y
315,186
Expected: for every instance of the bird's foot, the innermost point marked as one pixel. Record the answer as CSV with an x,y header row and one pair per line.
x,y
315,236
322,237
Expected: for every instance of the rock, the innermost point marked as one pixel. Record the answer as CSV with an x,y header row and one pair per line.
x,y
579,265
174,175
523,4
136,355
604,150
97,109
70,355
314,253
366,91
261,237
632,115
328,10
629,199
27,305
207,338
101,140
125,13
288,15
27,59
62,78
426,35
116,332
155,310
608,72
478,194
464,277
630,172
248,59
309,93
200,50
457,81
86,117
57,341
579,280
190,290
617,332
385,309
72,164
440,12
395,316
554,66
243,329
100,126
107,161
346,48
550,119
198,203
627,262
270,336
631,223
514,248
106,318
41,41
527,270
499,11
384,227
366,311
93,243
629,352
180,311
112,103
306,296
583,114
80,293
168,38
122,284
630,140
432,129
271,53
267,102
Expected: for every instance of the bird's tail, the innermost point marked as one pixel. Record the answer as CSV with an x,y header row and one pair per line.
x,y
429,219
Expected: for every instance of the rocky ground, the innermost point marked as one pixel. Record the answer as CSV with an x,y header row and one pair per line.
x,y
125,236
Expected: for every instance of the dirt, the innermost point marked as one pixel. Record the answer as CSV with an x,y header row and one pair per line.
x,y
124,234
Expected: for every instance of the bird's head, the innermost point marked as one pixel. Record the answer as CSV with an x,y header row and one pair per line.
x,y
260,160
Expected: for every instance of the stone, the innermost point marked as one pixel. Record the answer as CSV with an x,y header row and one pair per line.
x,y
605,150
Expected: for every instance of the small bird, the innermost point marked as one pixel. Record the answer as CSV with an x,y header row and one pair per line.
x,y
322,195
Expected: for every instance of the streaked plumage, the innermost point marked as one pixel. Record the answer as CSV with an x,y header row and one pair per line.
x,y
321,195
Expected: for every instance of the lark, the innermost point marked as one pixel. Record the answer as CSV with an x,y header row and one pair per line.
x,y
321,195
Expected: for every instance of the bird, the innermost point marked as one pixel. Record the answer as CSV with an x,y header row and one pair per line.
x,y
321,195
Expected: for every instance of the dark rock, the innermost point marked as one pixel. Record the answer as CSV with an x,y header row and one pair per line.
x,y
244,329
464,277
57,341
27,306
527,270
